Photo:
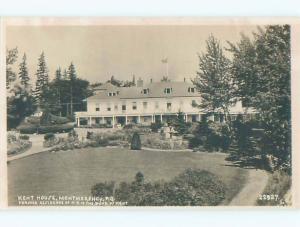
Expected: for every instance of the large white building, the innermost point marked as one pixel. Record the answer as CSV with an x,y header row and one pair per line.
x,y
144,104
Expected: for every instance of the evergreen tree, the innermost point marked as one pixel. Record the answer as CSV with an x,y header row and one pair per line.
x,y
268,76
65,75
58,75
180,125
72,72
42,79
136,142
72,77
11,58
214,80
23,72
19,106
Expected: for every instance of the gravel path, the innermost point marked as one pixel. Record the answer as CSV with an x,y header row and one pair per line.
x,y
254,187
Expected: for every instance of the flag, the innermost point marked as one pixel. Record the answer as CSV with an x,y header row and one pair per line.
x,y
164,60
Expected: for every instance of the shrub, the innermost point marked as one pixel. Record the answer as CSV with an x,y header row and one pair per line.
x,y
49,136
18,147
55,128
191,188
156,126
136,142
89,135
27,129
33,120
24,137
11,138
139,178
195,188
103,189
242,133
72,135
212,136
49,119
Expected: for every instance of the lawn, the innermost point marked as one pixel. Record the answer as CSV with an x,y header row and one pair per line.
x,y
75,172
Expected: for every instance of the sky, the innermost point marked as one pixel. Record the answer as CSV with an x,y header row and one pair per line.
x,y
98,52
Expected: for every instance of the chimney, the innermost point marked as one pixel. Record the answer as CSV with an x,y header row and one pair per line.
x,y
139,82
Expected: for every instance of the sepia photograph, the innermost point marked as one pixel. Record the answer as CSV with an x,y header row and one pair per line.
x,y
148,114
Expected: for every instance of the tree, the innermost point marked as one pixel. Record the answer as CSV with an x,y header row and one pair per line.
x,y
42,79
115,82
180,125
214,80
136,142
23,72
72,77
58,75
11,58
19,106
139,178
268,75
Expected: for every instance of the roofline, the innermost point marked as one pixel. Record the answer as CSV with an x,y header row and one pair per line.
x,y
115,97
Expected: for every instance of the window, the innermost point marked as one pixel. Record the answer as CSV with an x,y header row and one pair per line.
x,y
145,104
168,90
146,91
97,120
97,109
169,106
108,109
134,107
191,89
123,107
194,103
156,105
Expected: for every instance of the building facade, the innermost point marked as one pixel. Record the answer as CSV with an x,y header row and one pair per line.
x,y
143,104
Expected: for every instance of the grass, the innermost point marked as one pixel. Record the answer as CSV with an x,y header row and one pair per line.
x,y
75,172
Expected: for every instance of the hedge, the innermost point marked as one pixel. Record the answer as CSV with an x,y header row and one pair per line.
x,y
30,129
190,188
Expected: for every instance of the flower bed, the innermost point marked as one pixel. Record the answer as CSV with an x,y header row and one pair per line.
x,y
18,146
154,140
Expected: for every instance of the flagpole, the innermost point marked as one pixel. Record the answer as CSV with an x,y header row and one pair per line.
x,y
168,69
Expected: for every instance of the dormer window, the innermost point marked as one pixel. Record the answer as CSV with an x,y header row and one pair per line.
x,y
145,91
168,90
112,93
191,89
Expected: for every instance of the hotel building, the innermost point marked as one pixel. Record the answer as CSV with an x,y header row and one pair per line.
x,y
144,104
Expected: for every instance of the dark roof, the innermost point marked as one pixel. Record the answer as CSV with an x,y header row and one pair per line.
x,y
156,90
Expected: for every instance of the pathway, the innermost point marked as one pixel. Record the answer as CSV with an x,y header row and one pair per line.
x,y
37,147
254,187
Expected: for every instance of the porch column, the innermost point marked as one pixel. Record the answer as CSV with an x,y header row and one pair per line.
x,y
113,121
152,118
186,117
161,118
126,120
78,121
199,117
139,119
90,121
